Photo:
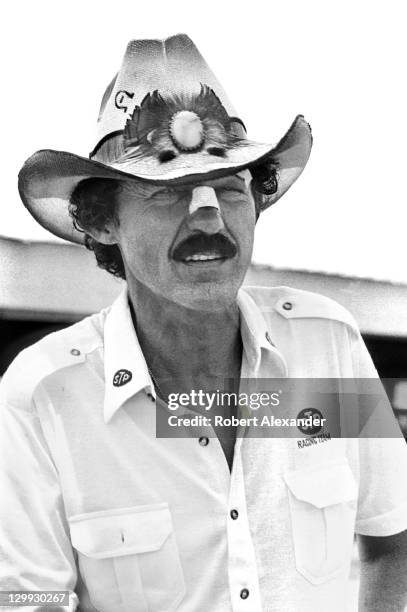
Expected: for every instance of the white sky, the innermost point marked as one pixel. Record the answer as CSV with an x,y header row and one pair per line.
x,y
342,64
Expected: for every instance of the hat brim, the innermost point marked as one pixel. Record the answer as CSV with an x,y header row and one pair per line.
x,y
48,178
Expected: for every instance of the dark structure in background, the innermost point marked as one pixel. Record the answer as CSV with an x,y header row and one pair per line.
x,y
47,286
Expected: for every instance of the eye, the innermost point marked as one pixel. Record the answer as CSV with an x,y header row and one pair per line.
x,y
230,192
168,195
163,192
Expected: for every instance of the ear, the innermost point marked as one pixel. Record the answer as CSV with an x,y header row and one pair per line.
x,y
106,235
275,175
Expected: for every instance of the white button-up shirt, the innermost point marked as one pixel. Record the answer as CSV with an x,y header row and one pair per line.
x,y
93,502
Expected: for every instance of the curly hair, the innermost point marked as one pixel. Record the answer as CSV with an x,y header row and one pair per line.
x,y
92,205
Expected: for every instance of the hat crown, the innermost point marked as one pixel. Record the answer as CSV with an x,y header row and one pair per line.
x,y
173,67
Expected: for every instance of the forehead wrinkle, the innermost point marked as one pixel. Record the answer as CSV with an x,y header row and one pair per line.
x,y
207,181
140,188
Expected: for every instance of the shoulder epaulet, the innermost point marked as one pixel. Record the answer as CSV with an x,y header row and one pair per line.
x,y
293,303
54,352
299,304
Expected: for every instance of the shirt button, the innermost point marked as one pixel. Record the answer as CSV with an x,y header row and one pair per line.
x,y
75,352
234,514
204,441
244,593
287,306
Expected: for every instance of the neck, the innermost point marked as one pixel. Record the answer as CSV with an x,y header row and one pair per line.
x,y
185,348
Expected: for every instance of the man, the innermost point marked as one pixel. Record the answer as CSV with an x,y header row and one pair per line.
x,y
97,503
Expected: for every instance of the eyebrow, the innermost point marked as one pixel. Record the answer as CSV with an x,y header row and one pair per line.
x,y
232,177
142,188
219,182
147,189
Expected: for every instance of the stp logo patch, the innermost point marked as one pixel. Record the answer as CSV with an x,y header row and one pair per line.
x,y
310,421
122,377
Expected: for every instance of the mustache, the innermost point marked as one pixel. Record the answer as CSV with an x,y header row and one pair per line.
x,y
205,243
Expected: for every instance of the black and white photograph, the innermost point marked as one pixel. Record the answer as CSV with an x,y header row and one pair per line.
x,y
203,307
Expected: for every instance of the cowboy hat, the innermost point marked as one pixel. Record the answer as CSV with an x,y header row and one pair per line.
x,y
163,118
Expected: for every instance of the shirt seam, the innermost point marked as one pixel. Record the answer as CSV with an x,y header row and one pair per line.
x,y
8,405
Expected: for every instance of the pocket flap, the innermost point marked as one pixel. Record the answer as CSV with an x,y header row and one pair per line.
x,y
323,486
125,531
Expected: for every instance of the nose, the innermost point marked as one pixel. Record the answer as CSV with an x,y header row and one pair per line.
x,y
204,211
203,197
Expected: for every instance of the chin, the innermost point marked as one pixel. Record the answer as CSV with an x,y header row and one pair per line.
x,y
210,296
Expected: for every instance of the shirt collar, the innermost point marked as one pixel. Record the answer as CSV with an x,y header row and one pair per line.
x,y
123,355
257,338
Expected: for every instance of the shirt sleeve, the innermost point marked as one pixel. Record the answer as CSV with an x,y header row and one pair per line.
x,y
35,549
382,507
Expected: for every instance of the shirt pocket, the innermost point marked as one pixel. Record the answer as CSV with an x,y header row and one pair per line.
x,y
128,558
323,509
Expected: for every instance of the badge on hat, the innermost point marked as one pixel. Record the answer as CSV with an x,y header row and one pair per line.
x,y
167,125
186,130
